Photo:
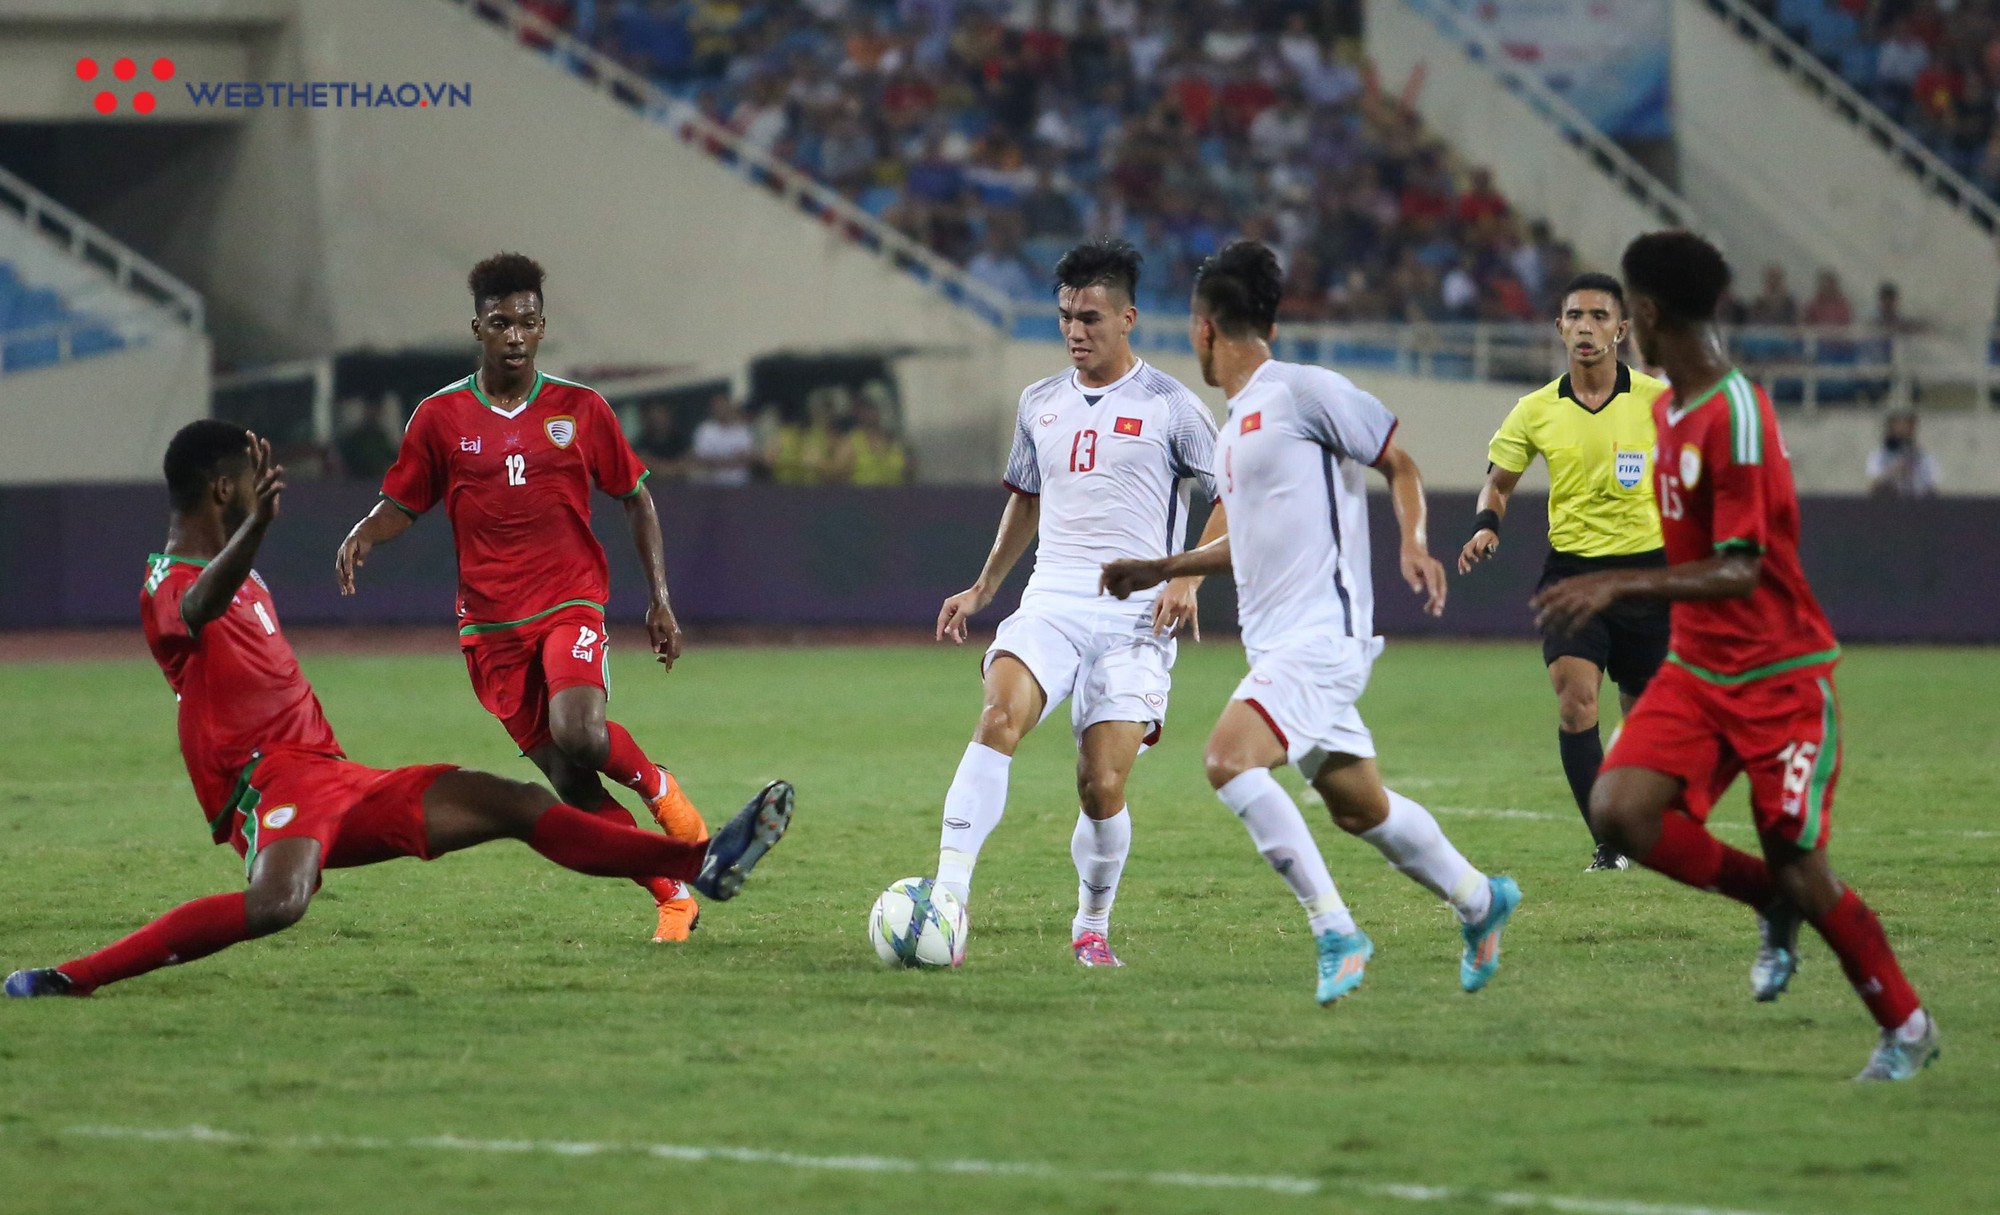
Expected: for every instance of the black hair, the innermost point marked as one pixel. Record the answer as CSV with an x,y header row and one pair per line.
x,y
1239,289
502,275
1596,281
199,453
1680,272
1104,261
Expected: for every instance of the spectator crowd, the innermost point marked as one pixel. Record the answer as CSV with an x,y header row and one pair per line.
x,y
1932,65
996,132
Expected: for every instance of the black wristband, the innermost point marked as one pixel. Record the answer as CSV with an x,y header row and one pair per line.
x,y
1486,521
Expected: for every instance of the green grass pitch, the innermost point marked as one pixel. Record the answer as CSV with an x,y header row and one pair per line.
x,y
422,1012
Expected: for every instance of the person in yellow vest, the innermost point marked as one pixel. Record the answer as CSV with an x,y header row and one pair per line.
x,y
802,452
1594,429
868,454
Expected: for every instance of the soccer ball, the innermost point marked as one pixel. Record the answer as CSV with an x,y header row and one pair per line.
x,y
916,922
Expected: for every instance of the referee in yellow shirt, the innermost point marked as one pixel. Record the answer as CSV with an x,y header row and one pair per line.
x,y
1594,428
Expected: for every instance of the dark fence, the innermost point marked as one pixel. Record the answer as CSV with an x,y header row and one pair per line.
x,y
73,556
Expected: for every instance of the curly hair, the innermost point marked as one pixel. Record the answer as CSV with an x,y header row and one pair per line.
x,y
1680,272
502,275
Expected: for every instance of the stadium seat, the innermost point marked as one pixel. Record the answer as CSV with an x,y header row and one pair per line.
x,y
94,339
25,354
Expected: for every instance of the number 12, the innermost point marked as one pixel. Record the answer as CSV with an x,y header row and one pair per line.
x,y
517,470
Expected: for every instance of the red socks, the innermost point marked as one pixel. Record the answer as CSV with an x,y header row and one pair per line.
x,y
190,931
590,844
1688,853
662,889
1856,937
628,765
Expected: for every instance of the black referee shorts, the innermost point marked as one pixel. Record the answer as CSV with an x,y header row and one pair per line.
x,y
1628,640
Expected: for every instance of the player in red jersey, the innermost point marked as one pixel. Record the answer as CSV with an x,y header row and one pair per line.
x,y
1748,685
512,454
270,776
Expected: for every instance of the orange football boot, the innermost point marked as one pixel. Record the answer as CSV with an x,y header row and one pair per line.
x,y
675,814
679,916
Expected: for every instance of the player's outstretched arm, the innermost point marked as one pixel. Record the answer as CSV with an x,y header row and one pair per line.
x,y
1493,495
1178,604
386,522
209,597
663,632
1565,607
1018,524
1421,571
1126,578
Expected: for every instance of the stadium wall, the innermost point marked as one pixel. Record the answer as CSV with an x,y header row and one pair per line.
x,y
74,556
103,418
1781,178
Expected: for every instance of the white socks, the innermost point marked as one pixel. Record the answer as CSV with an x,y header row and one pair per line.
x,y
1099,849
972,808
1412,841
1279,831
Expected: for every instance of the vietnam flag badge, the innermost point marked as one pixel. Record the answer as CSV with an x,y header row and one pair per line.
x,y
1252,421
1128,426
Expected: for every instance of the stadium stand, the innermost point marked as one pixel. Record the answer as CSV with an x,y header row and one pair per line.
x,y
38,330
963,128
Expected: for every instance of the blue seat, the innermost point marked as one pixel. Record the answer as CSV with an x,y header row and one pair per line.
x,y
1832,32
94,339
1796,16
25,354
877,199
34,308
1857,66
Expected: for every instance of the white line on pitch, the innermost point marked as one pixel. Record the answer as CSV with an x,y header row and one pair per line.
x,y
690,1154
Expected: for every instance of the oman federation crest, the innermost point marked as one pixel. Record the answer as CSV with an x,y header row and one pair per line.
x,y
561,430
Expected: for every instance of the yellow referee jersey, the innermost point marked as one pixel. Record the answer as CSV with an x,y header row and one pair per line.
x,y
1600,464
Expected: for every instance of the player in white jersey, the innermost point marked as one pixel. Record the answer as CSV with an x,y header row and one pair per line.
x,y
1293,457
1104,456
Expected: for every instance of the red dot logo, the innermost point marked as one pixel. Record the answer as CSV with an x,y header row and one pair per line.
x,y
143,103
124,69
86,69
105,102
163,68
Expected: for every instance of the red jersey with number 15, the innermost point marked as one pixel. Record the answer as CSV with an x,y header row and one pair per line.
x,y
1725,484
517,488
238,683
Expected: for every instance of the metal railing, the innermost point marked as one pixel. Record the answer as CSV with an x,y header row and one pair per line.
x,y
1840,97
628,88
1809,368
97,248
1575,129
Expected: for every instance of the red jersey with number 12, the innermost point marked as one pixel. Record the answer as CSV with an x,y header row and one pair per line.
x,y
238,683
517,488
1725,484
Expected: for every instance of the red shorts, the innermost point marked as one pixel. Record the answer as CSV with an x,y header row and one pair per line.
x,y
359,815
1784,731
515,671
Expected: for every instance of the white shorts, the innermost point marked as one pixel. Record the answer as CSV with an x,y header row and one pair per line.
x,y
1306,691
1098,653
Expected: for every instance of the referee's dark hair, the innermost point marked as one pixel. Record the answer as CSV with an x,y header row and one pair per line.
x,y
1680,272
1239,289
1593,280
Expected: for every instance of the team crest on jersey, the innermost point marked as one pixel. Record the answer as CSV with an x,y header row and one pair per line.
x,y
1252,421
1690,465
280,816
1128,426
561,430
1630,468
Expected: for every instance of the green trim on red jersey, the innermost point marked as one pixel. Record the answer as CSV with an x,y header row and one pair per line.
x,y
637,485
1815,658
1746,421
1675,415
399,506
473,630
1738,544
472,382
1824,766
243,797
